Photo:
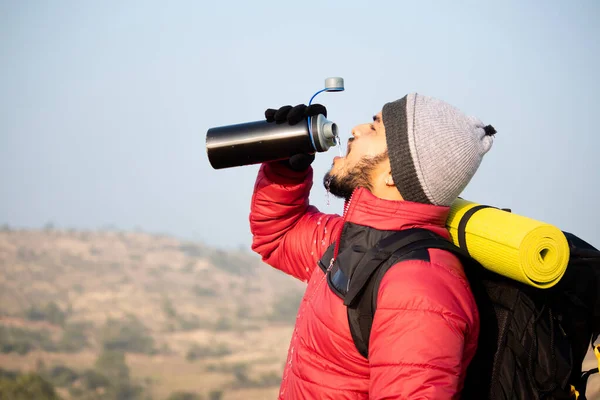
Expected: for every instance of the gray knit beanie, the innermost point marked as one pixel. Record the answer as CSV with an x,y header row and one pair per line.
x,y
434,148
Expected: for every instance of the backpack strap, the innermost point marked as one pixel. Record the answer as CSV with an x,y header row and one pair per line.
x,y
395,244
462,226
361,297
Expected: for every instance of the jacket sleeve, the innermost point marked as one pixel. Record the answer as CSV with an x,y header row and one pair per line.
x,y
417,346
288,233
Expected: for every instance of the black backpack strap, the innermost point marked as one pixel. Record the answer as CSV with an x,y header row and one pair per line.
x,y
462,226
364,284
381,252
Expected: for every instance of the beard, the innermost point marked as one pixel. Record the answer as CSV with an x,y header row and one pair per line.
x,y
342,185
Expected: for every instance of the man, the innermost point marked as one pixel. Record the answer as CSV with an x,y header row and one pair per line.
x,y
401,171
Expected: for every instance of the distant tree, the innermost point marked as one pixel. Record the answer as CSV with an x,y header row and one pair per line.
x,y
189,267
240,372
124,391
73,339
77,288
192,250
243,311
127,335
223,324
62,376
8,374
35,314
190,323
93,379
215,395
184,396
111,375
228,262
54,314
27,387
168,308
269,379
40,365
22,341
51,313
111,363
197,352
201,291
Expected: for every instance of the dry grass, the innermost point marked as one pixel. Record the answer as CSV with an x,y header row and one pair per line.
x,y
100,275
97,275
162,375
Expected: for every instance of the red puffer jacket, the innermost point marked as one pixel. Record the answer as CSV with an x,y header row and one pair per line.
x,y
426,325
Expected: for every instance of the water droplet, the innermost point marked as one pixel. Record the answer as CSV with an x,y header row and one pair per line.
x,y
339,146
328,192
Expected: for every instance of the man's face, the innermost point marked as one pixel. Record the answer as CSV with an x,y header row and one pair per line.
x,y
367,149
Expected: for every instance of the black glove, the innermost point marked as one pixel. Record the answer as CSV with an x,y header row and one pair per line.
x,y
293,115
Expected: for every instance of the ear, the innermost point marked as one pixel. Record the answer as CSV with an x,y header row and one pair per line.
x,y
389,180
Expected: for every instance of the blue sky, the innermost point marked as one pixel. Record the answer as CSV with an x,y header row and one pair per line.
x,y
104,106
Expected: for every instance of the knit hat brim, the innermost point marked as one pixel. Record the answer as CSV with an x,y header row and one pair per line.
x,y
404,172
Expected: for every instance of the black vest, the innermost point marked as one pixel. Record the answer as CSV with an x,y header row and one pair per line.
x,y
355,241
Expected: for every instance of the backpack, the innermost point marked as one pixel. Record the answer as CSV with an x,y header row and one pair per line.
x,y
532,341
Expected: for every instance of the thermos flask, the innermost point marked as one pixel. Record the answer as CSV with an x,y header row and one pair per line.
x,y
260,141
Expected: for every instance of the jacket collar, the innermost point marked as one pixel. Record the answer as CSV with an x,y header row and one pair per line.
x,y
364,208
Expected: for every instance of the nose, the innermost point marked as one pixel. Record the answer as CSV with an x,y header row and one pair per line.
x,y
359,130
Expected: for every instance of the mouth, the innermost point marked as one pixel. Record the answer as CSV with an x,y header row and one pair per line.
x,y
336,161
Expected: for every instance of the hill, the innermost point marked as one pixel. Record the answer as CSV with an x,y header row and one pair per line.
x,y
121,315
185,317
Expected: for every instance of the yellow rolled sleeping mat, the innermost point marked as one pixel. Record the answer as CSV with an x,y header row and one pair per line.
x,y
511,245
